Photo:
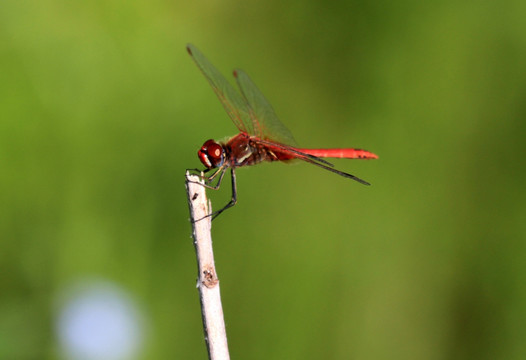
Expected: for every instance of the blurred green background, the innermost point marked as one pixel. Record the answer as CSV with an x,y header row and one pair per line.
x,y
102,110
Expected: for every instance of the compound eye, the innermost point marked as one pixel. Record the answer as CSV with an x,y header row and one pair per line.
x,y
215,151
211,154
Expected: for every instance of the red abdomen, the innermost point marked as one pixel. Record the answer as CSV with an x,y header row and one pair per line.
x,y
340,153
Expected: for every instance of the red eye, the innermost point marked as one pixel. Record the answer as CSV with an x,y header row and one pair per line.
x,y
211,154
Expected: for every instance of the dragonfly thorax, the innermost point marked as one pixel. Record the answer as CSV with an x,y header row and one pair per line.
x,y
211,154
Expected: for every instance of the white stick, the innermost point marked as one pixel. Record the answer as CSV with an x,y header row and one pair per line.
x,y
207,282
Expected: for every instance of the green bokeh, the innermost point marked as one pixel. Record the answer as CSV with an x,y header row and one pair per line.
x,y
102,110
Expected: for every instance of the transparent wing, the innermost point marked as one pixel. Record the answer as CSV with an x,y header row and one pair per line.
x,y
265,122
235,106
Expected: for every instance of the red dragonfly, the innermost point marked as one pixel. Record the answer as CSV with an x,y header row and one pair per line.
x,y
262,136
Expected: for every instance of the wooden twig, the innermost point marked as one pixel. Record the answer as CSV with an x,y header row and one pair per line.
x,y
207,282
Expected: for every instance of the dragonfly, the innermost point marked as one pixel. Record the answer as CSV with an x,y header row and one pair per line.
x,y
262,136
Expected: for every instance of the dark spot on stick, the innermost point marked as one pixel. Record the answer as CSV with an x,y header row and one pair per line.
x,y
209,278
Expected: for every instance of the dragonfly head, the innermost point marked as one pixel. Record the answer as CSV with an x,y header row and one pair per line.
x,y
211,154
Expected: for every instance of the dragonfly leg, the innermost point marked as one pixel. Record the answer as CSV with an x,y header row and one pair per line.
x,y
198,171
208,179
233,201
